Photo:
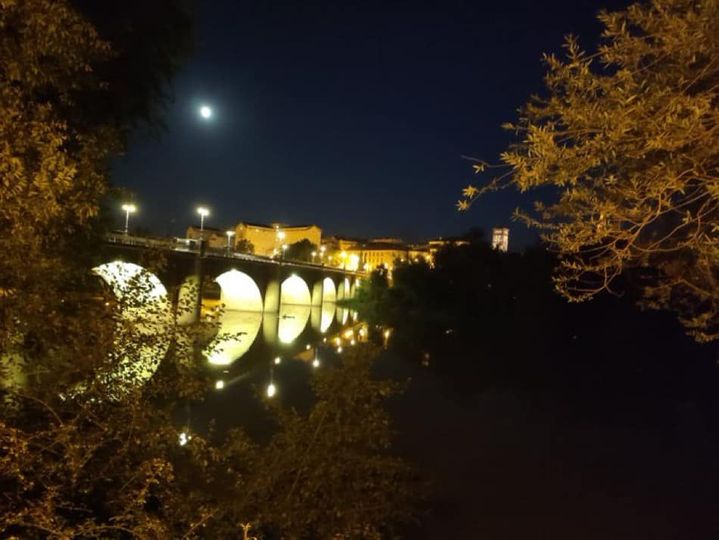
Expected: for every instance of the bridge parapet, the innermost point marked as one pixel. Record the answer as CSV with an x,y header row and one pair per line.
x,y
187,245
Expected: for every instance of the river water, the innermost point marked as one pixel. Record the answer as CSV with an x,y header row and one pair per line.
x,y
269,356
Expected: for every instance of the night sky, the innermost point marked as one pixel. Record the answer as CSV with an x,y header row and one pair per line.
x,y
351,115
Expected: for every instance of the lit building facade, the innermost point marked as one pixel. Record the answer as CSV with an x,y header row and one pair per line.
x,y
439,244
374,254
500,239
268,239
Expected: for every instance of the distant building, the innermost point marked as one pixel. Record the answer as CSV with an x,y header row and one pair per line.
x,y
500,238
442,243
375,253
268,239
215,238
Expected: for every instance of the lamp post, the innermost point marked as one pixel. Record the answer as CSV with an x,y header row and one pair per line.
x,y
229,234
204,212
279,238
343,256
314,254
129,209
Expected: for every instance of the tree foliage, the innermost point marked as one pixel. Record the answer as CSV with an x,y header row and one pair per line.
x,y
52,171
301,250
91,377
243,245
629,138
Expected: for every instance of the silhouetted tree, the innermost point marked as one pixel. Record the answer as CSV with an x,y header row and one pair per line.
x,y
244,246
629,137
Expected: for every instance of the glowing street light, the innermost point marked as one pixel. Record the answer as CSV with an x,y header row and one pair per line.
x,y
229,234
204,212
128,209
314,254
271,390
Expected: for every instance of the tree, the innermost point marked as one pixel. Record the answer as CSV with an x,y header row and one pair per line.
x,y
629,138
150,41
244,245
301,251
88,446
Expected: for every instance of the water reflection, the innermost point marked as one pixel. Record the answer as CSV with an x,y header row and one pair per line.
x,y
342,315
327,316
292,322
238,331
270,367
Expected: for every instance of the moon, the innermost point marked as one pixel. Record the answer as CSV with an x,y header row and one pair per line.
x,y
206,112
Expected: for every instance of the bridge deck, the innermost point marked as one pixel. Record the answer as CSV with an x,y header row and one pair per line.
x,y
185,245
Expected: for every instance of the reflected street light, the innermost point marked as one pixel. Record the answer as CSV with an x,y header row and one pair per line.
x,y
204,212
129,209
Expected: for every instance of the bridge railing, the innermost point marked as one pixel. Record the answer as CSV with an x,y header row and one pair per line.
x,y
189,245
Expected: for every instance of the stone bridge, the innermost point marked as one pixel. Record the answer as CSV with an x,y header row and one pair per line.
x,y
246,282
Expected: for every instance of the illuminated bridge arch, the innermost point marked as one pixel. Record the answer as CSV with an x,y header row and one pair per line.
x,y
329,291
295,291
239,292
143,333
344,291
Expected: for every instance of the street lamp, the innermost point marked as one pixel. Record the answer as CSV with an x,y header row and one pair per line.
x,y
229,234
343,256
314,254
129,209
282,253
204,212
279,237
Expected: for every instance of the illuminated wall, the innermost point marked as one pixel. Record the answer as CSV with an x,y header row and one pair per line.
x,y
265,239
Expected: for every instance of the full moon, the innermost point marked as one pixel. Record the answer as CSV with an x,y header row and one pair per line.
x,y
205,112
